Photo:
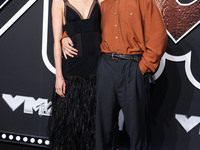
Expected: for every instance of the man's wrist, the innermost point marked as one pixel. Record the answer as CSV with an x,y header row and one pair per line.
x,y
142,68
64,36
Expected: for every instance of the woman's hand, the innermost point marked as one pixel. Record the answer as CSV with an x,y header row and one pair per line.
x,y
60,86
67,47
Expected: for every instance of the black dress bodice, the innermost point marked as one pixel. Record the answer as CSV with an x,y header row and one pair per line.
x,y
86,37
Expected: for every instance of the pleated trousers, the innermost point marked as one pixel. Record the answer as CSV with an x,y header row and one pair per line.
x,y
121,85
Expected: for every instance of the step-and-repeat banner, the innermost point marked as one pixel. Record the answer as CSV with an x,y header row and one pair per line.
x,y
27,75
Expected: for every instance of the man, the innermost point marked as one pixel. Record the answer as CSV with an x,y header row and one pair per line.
x,y
133,42
130,28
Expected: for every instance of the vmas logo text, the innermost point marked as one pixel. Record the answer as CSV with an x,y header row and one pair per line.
x,y
31,105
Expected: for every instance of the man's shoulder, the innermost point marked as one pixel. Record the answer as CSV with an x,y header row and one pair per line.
x,y
146,3
105,1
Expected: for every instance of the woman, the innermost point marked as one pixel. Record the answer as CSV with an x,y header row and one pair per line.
x,y
72,125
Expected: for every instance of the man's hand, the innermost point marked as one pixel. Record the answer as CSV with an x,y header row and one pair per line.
x,y
141,69
67,47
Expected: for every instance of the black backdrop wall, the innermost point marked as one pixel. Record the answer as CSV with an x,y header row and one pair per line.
x,y
25,83
26,76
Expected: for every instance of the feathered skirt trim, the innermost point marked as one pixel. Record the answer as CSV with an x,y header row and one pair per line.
x,y
72,123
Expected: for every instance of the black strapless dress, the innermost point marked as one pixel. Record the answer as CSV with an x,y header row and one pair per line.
x,y
72,124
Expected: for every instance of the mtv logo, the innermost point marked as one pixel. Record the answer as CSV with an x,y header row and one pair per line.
x,y
30,104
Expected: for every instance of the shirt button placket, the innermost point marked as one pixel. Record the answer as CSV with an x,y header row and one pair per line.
x,y
116,22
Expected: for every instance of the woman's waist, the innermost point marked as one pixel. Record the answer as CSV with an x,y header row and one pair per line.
x,y
79,65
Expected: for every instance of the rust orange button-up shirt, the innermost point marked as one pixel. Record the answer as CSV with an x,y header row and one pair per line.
x,y
132,27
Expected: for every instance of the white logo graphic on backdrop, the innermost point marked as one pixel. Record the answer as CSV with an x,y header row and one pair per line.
x,y
187,123
4,3
17,16
30,104
187,4
45,37
186,58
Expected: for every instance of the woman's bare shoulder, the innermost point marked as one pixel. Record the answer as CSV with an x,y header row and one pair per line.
x,y
58,2
58,5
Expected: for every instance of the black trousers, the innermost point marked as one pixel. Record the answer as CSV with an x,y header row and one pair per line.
x,y
120,84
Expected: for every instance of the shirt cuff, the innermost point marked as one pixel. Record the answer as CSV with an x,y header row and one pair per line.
x,y
64,35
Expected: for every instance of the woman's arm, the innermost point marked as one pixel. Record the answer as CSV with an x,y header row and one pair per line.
x,y
57,22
